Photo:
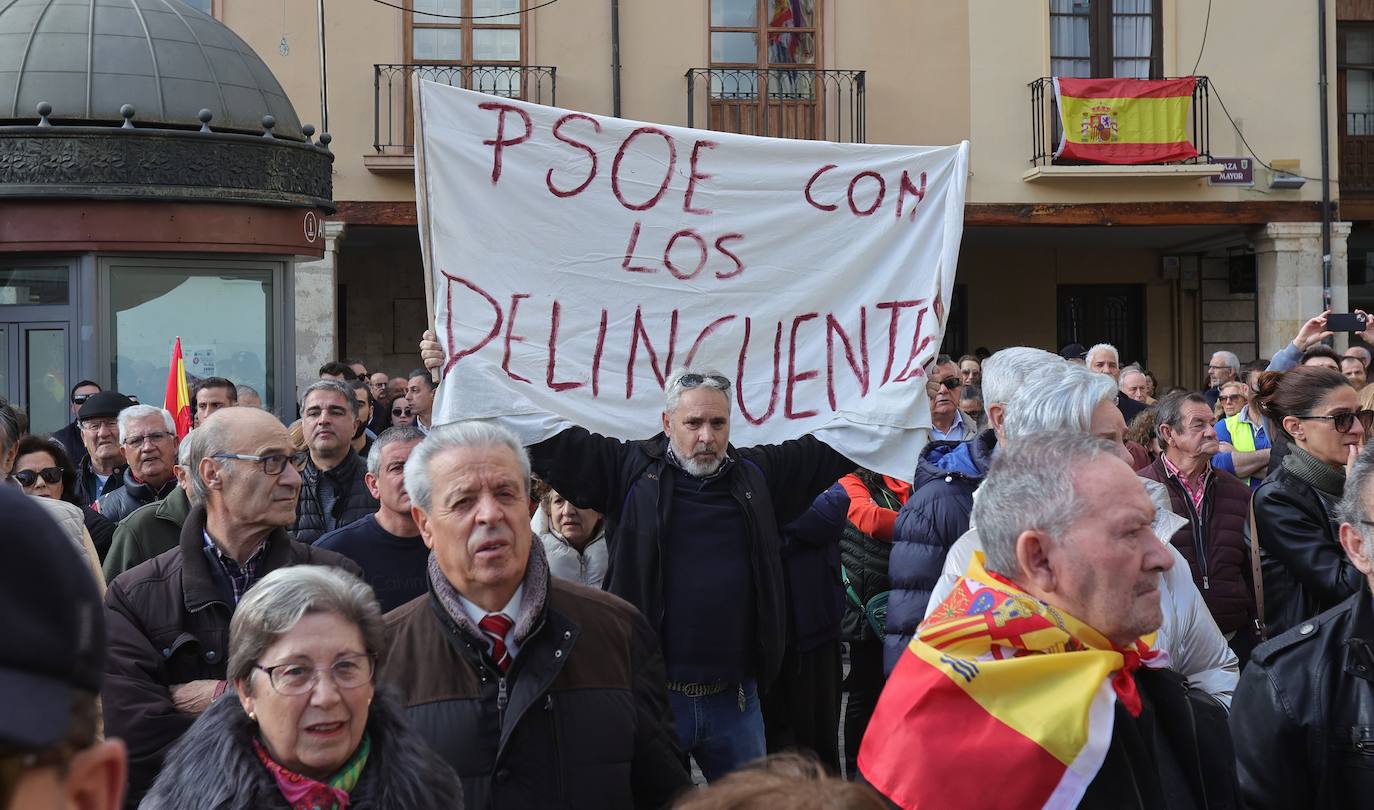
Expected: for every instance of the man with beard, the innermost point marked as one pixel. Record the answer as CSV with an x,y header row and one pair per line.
x,y
948,423
363,436
333,492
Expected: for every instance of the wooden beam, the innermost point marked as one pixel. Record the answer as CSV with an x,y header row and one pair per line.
x,y
1027,214
1154,213
1355,10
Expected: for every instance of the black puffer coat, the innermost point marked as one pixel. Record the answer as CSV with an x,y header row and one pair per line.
x,y
352,501
1305,569
1303,715
215,767
120,503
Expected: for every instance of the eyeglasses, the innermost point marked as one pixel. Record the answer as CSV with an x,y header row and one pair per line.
x,y
1342,422
80,399
1230,397
400,412
273,464
298,679
694,380
950,383
1218,368
97,425
28,478
137,441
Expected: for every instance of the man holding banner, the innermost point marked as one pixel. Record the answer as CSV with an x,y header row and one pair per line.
x,y
589,273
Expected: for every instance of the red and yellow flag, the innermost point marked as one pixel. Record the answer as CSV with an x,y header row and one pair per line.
x,y
997,681
177,400
1124,121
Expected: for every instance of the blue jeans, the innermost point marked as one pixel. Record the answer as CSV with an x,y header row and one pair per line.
x,y
716,733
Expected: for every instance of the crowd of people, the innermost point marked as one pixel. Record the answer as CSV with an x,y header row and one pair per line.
x,y
1123,597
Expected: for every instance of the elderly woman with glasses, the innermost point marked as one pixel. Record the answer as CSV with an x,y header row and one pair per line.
x,y
305,726
1230,399
1305,569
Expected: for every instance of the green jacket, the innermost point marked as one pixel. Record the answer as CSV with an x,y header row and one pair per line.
x,y
147,532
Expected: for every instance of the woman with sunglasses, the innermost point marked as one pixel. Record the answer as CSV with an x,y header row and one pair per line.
x,y
43,469
401,415
304,726
1305,570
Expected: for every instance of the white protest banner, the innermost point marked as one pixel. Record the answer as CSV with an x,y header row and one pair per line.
x,y
578,259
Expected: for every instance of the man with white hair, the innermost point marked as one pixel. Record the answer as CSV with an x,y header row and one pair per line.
x,y
149,438
1135,385
942,497
1224,367
537,691
1038,681
1070,401
1105,359
1300,717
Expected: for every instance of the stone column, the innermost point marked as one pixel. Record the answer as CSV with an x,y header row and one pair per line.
x,y
1288,257
317,318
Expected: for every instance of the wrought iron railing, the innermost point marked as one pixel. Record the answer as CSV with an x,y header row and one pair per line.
x,y
394,115
1045,126
1357,153
822,105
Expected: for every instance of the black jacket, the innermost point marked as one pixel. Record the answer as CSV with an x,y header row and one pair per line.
x,y
168,623
119,504
352,501
214,766
1303,714
580,720
88,485
70,439
631,484
1305,569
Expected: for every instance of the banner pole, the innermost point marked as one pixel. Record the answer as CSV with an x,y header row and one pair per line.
x,y
422,210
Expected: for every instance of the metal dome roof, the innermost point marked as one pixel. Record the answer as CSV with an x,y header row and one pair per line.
x,y
88,58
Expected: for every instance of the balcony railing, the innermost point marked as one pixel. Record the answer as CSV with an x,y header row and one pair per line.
x,y
822,105
1045,125
1357,153
394,115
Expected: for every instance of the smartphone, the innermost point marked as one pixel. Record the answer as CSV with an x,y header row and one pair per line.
x,y
1345,322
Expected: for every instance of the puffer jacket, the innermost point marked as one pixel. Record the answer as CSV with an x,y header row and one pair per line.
x,y
936,515
1305,569
214,766
581,719
585,567
1303,719
631,485
120,503
1215,546
352,501
168,623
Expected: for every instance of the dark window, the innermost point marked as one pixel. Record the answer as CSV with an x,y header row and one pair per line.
x,y
1104,313
1106,39
956,324
1355,105
445,40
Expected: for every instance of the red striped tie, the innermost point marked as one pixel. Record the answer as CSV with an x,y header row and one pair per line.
x,y
496,626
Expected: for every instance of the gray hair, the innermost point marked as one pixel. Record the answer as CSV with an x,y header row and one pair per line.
x,y
279,600
1030,486
134,412
338,387
458,436
1229,358
1004,371
246,390
1352,508
673,387
1102,347
1057,399
1169,411
184,462
389,437
206,441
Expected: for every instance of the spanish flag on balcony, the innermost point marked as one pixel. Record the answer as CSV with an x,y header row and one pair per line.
x,y
1124,121
997,681
177,400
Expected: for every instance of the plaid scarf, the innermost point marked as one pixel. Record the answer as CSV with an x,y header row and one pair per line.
x,y
304,793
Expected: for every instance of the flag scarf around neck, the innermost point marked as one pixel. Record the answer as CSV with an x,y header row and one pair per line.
x,y
577,259
1124,121
994,678
177,400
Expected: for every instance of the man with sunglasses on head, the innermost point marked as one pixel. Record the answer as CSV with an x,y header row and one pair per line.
x,y
102,470
948,423
149,438
70,436
169,616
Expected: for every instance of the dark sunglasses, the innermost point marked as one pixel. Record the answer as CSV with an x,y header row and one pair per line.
x,y
952,383
1342,422
28,478
400,412
694,380
80,399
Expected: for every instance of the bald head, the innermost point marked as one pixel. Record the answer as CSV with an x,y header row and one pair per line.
x,y
242,470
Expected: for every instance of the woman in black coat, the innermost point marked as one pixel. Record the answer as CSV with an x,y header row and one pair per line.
x,y
33,466
1305,569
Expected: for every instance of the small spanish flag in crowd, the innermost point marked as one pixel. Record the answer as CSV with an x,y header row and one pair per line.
x,y
1124,121
177,400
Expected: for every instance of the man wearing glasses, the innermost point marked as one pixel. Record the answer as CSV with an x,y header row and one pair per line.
x,y
948,423
102,471
70,436
1224,367
169,617
148,436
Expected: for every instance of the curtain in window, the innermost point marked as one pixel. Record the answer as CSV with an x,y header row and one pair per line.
x,y
1070,46
1132,38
